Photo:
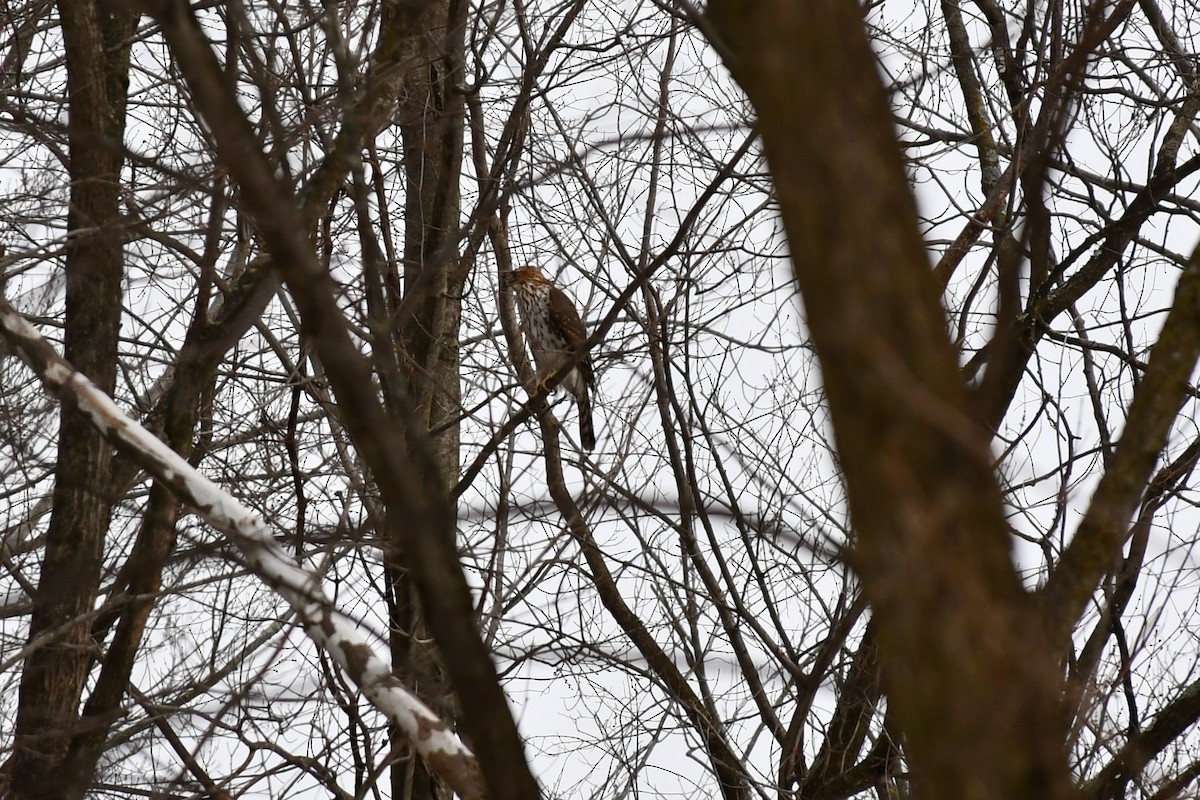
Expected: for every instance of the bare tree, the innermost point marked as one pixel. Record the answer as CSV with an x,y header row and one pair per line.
x,y
893,325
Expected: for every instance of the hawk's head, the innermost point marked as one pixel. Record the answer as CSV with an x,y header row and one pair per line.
x,y
531,276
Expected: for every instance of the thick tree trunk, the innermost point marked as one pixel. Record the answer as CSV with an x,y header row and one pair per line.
x,y
972,682
431,117
431,120
97,60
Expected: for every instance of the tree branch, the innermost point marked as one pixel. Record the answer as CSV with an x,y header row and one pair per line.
x,y
334,632
1096,545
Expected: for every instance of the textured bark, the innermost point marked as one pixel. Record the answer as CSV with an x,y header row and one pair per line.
x,y
430,117
97,61
963,60
427,306
175,416
141,577
212,333
858,697
973,687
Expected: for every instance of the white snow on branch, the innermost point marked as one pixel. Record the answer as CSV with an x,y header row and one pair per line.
x,y
331,630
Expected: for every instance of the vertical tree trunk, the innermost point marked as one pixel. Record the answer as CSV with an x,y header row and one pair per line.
x,y
430,116
97,60
971,681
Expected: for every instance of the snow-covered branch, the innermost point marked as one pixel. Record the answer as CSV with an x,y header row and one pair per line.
x,y
337,634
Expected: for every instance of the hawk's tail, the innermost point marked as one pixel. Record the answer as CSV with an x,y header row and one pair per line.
x,y
587,433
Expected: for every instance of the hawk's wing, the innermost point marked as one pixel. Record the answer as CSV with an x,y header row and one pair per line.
x,y
566,324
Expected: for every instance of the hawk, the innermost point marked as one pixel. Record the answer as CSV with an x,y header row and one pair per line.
x,y
556,335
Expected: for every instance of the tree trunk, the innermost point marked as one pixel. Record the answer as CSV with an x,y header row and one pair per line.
x,y
430,117
973,685
97,60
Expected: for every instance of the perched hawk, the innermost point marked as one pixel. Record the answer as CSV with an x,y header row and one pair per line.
x,y
556,334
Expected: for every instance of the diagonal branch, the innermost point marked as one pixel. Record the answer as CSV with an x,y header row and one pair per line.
x,y
975,695
331,630
1097,543
726,764
397,448
1175,718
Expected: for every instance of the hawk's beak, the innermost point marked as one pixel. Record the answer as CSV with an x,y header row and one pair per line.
x,y
506,277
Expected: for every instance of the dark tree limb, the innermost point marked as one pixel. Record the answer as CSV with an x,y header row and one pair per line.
x,y
976,696
398,451
331,630
52,680
1096,546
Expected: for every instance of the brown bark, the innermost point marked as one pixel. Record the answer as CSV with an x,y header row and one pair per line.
x,y
425,300
975,692
141,577
176,416
858,697
327,627
427,309
431,118
97,61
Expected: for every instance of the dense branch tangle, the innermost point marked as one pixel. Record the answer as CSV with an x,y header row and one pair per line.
x,y
678,612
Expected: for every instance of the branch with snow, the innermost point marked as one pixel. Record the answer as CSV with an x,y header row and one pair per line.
x,y
334,632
